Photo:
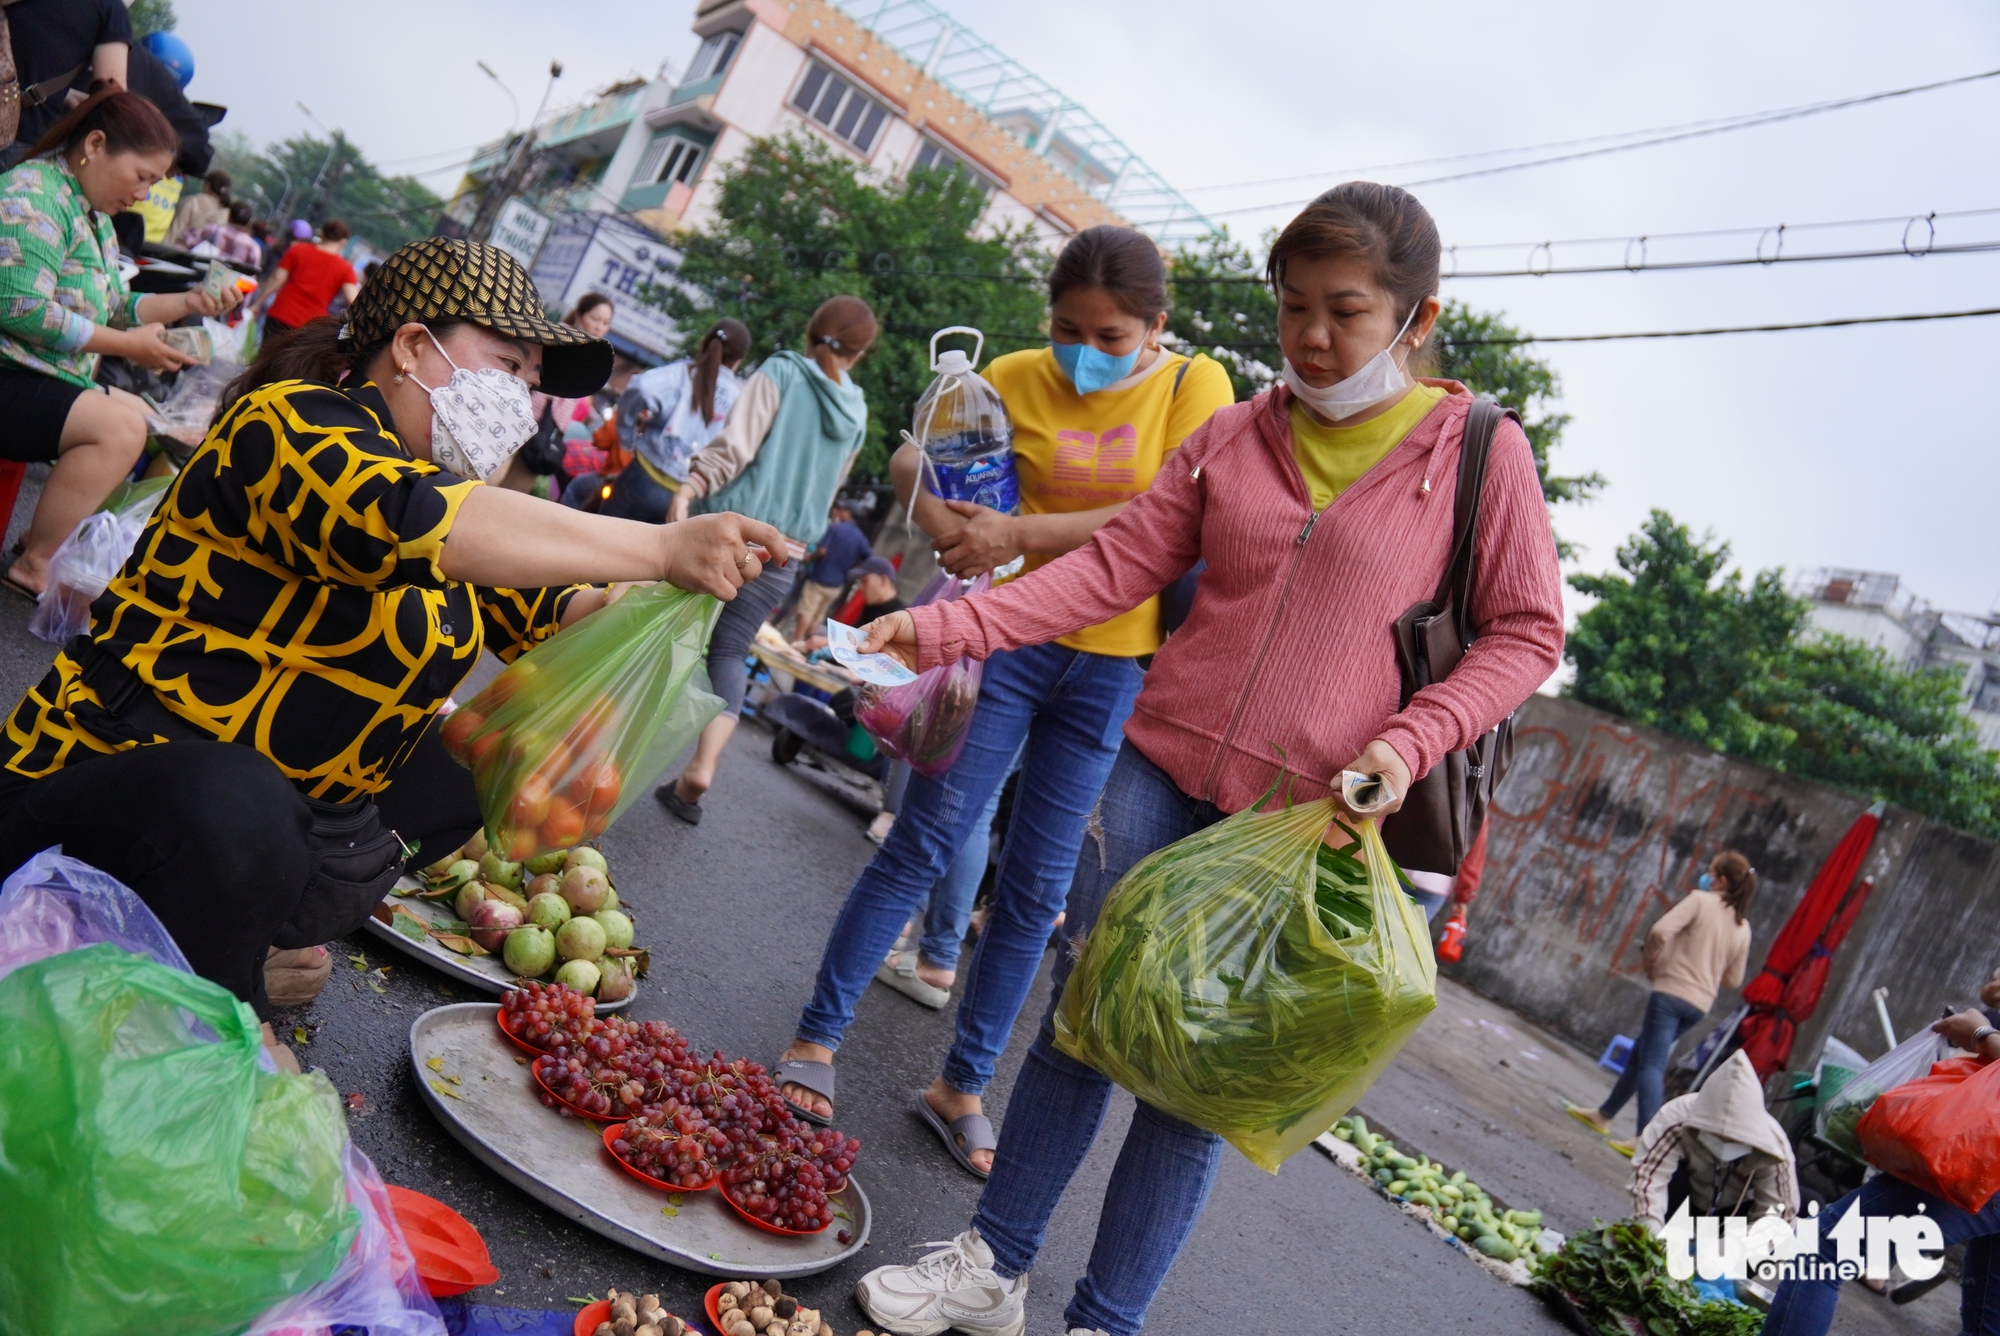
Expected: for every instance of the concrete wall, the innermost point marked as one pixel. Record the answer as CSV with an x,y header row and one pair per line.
x,y
1600,826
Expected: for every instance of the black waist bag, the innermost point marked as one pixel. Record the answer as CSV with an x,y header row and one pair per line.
x,y
355,859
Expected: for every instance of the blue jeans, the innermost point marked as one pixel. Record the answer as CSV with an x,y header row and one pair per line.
x,y
1667,1019
950,914
581,488
1805,1307
1063,710
1166,1167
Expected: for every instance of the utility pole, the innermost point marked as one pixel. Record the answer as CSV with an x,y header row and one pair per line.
x,y
503,186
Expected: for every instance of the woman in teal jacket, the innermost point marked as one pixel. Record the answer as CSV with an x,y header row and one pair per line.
x,y
790,439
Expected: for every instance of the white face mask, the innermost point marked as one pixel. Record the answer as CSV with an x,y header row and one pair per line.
x,y
1381,377
478,418
1721,1148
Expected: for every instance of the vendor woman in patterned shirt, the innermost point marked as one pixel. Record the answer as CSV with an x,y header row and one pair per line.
x,y
63,304
246,731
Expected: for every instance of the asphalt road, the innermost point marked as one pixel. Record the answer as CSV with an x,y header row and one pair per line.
x,y
736,911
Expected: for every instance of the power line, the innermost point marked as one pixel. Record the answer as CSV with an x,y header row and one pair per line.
x,y
1694,130
1519,340
1751,230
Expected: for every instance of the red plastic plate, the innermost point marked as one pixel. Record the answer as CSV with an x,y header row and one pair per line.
x,y
769,1228
613,1132
543,1086
592,1316
506,1028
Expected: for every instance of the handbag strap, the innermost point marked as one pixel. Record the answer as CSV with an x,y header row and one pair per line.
x,y
1475,447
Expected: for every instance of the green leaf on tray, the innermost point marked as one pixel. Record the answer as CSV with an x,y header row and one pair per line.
x,y
408,924
463,945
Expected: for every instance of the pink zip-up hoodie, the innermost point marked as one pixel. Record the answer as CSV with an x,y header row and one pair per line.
x,y
1288,652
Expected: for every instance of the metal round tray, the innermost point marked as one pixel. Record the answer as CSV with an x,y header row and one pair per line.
x,y
486,972
486,1099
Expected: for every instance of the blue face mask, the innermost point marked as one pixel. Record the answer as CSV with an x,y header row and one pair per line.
x,y
1091,369
1704,881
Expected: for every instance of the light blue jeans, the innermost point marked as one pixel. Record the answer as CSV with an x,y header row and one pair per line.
x,y
1167,1167
1667,1019
1063,711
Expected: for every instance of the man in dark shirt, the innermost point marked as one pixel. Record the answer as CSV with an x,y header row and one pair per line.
x,y
838,550
878,589
59,43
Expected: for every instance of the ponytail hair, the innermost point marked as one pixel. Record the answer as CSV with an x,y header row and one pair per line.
x,y
310,352
841,327
1738,881
725,345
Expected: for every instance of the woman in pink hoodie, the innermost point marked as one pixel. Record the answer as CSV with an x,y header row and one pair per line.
x,y
1323,508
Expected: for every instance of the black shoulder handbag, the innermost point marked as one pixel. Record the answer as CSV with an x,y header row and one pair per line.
x,y
1442,814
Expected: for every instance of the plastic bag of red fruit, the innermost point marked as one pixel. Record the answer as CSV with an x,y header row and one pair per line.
x,y
562,741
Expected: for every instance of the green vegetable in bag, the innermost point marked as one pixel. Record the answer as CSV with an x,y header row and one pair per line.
x,y
562,741
155,1178
1252,981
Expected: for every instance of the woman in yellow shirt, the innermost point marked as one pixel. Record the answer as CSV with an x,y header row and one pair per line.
x,y
1095,416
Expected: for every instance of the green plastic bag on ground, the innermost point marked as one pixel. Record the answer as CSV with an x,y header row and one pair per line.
x,y
1251,981
562,741
154,1178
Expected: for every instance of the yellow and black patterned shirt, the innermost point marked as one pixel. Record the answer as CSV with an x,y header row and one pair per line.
x,y
287,594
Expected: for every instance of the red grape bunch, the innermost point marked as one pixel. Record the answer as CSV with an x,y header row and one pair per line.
x,y
673,1148
782,1189
539,1013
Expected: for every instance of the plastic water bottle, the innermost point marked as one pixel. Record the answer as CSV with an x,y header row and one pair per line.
x,y
963,431
1451,943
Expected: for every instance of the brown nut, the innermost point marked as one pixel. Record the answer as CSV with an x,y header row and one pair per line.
x,y
604,1329
786,1307
736,1289
725,1302
622,1323
825,1329
648,1330
774,1289
649,1303
673,1326
760,1316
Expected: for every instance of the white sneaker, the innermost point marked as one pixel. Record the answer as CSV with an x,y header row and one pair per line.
x,y
953,1287
1094,1331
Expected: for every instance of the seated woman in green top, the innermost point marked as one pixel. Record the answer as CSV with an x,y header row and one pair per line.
x,y
63,304
249,724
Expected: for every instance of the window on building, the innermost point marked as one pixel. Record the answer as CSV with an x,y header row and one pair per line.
x,y
847,113
1987,697
714,55
669,158
933,155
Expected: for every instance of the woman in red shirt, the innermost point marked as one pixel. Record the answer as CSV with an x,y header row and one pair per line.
x,y
310,276
1323,508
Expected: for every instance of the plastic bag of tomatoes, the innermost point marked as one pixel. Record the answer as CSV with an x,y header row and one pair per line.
x,y
562,741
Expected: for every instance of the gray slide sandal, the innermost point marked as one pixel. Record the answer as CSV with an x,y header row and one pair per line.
x,y
973,1128
814,1076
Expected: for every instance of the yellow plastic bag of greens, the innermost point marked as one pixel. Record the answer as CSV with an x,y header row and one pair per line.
x,y
562,741
1251,980
153,1177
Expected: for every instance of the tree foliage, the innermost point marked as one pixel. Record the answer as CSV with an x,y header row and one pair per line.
x,y
1676,643
151,16
1222,307
317,179
796,222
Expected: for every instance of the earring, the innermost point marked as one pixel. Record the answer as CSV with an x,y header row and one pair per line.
x,y
83,161
400,373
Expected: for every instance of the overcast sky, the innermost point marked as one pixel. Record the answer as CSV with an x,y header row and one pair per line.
x,y
1871,447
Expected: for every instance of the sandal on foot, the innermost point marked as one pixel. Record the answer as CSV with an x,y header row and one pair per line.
x,y
682,808
16,587
972,1129
814,1076
294,984
1582,1115
899,971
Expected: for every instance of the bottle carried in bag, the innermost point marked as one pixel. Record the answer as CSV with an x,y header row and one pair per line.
x,y
964,433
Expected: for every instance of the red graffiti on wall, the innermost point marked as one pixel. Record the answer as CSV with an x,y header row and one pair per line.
x,y
1604,836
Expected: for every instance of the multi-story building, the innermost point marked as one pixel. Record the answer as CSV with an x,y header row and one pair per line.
x,y
896,84
1877,609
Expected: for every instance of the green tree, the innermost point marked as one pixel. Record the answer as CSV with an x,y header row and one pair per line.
x,y
151,16
1221,306
1675,643
317,179
1672,639
796,223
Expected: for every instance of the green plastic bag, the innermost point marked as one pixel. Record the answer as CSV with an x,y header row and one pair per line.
x,y
155,1178
562,741
1252,981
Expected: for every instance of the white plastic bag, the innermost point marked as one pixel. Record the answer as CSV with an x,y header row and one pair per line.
x,y
89,560
1903,1063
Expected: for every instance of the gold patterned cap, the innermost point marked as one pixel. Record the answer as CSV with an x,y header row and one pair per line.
x,y
440,278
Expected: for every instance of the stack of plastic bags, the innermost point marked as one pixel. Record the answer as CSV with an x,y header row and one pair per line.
x,y
162,1175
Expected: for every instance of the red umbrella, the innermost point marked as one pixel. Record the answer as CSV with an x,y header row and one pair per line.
x,y
1788,988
